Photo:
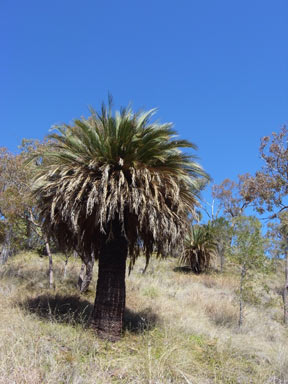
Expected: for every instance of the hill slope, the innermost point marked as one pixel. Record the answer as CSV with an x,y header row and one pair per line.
x,y
180,328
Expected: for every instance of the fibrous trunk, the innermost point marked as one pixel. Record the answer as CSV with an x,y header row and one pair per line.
x,y
107,317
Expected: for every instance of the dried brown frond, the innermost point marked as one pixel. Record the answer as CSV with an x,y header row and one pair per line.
x,y
123,168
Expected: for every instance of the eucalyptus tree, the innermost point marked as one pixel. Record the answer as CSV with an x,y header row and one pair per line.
x,y
278,234
232,201
247,252
22,228
13,203
114,186
221,230
232,197
268,190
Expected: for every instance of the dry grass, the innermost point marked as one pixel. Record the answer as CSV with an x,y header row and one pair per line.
x,y
180,328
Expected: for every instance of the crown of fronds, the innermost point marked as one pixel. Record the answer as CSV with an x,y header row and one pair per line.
x,y
200,248
117,167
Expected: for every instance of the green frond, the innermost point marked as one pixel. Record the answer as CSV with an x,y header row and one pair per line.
x,y
200,248
123,167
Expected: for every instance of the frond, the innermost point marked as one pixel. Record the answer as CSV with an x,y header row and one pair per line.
x,y
122,167
200,248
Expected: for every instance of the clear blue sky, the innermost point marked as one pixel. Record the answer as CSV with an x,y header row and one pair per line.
x,y
217,69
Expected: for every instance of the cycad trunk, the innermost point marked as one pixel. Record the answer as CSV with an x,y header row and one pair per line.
x,y
107,317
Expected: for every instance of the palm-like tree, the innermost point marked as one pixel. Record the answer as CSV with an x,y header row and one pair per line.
x,y
116,185
200,248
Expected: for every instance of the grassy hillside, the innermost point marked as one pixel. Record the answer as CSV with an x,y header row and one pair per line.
x,y
180,328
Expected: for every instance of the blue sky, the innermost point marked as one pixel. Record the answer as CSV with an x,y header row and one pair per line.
x,y
217,69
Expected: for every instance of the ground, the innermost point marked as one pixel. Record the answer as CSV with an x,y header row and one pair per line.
x,y
179,328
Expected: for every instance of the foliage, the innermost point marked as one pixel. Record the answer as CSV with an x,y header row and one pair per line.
x,y
247,247
2,231
269,187
268,190
12,180
231,196
276,235
123,167
200,248
222,231
17,206
247,252
13,199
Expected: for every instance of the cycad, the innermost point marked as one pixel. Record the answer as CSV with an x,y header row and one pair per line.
x,y
200,248
116,185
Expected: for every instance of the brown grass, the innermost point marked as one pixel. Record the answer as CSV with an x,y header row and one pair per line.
x,y
180,328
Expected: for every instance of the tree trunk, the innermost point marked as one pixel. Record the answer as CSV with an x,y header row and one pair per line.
x,y
65,266
107,317
7,248
51,276
81,276
220,249
85,279
222,262
243,273
28,234
285,293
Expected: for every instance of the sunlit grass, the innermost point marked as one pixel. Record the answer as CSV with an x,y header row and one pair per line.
x,y
180,328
